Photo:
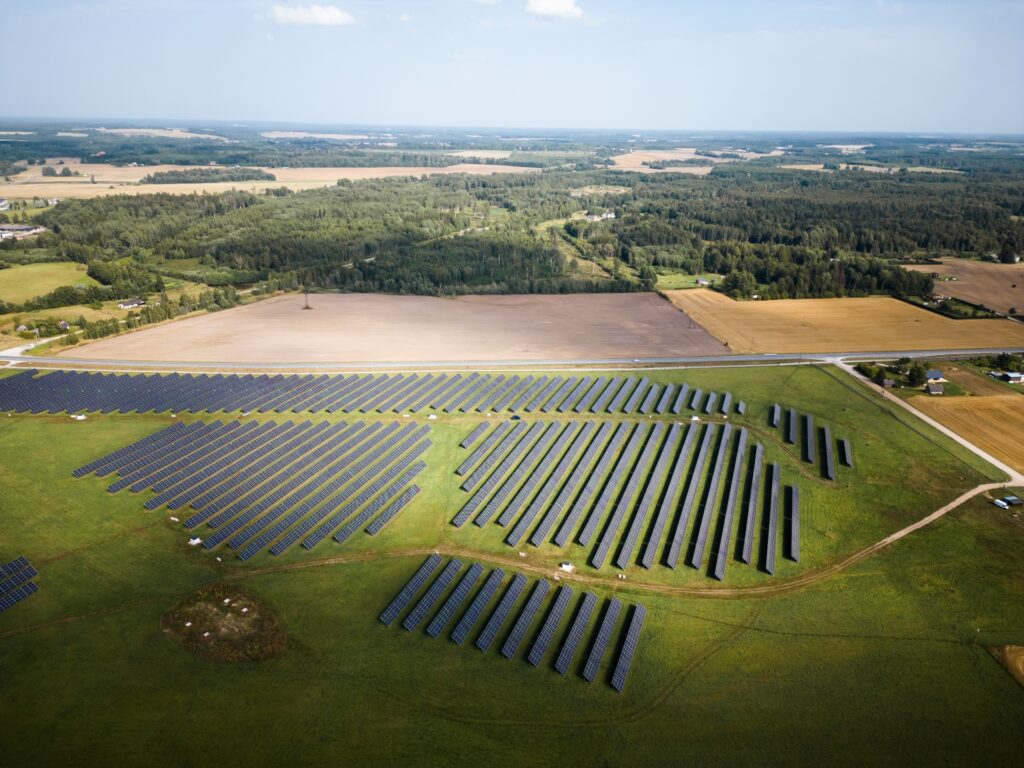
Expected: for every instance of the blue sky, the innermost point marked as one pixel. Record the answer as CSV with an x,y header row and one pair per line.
x,y
837,65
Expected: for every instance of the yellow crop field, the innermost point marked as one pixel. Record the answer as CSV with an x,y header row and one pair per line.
x,y
993,422
872,324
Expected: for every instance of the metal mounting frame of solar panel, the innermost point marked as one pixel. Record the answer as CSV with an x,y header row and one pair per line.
x,y
680,401
270,477
721,553
476,608
332,460
830,460
432,595
809,443
650,495
575,634
512,393
528,395
601,404
484,447
15,596
473,436
352,504
636,476
594,479
601,639
455,599
707,509
525,619
501,612
686,506
302,441
550,625
667,500
519,432
590,396
629,385
634,400
846,452
229,469
178,448
343,487
573,397
793,548
550,485
391,510
389,493
753,492
204,469
201,460
408,592
561,394
536,474
524,466
484,403
773,517
121,453
626,655
611,484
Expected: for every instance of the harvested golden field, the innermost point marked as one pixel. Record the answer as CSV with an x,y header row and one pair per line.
x,y
867,168
634,161
113,180
309,135
163,133
993,422
873,324
996,286
484,154
349,328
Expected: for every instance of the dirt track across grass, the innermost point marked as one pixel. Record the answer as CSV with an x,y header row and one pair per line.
x,y
377,328
870,324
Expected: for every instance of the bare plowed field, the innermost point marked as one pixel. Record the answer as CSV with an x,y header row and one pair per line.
x,y
996,286
99,179
871,324
347,328
993,422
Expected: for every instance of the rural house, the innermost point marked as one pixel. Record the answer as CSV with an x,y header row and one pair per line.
x,y
934,388
934,374
131,303
4,204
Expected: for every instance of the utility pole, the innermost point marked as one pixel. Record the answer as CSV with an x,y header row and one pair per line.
x,y
305,292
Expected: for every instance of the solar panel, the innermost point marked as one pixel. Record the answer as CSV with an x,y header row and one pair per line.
x,y
526,616
753,491
501,613
472,614
708,508
668,497
410,589
547,630
772,521
601,639
455,599
721,554
575,633
604,501
830,461
809,449
793,550
845,452
625,660
481,450
686,507
592,484
432,595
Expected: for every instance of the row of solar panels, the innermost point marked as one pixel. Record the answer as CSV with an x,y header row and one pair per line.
x,y
260,485
619,488
809,451
73,391
543,634
16,582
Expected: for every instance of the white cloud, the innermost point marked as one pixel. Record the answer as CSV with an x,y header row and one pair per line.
x,y
562,9
311,15
405,18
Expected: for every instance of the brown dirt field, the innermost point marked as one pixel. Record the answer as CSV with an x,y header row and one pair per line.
x,y
307,135
111,180
871,324
349,328
1011,657
980,282
995,423
972,383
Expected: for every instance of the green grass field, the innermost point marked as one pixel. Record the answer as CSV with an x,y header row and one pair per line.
x,y
881,663
21,283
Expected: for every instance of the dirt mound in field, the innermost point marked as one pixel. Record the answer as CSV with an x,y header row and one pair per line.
x,y
1011,657
225,623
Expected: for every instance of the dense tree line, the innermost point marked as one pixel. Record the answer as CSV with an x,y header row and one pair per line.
x,y
204,175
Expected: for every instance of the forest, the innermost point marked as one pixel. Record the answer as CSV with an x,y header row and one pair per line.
x,y
769,230
202,175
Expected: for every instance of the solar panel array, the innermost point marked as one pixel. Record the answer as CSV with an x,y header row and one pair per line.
x,y
36,391
624,490
16,582
809,447
264,485
440,593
